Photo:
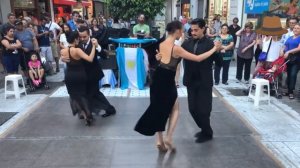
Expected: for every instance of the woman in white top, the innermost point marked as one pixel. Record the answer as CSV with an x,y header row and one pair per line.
x,y
62,39
116,24
63,43
276,50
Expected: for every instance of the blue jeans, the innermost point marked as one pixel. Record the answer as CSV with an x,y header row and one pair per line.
x,y
292,71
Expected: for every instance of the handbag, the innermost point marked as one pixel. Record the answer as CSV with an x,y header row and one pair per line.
x,y
263,55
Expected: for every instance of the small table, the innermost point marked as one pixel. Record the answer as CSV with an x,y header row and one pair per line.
x,y
132,62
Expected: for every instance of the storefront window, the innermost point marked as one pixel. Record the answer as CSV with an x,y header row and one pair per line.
x,y
219,7
186,10
24,3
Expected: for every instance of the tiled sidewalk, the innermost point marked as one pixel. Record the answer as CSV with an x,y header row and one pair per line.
x,y
21,107
117,92
277,124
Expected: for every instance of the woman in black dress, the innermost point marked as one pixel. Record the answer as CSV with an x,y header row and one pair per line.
x,y
76,78
163,91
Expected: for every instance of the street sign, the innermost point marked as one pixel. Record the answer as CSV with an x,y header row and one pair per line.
x,y
256,6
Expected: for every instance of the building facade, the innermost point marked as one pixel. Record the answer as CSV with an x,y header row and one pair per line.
x,y
58,8
187,8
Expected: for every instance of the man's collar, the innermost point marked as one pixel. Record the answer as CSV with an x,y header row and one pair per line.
x,y
199,39
88,42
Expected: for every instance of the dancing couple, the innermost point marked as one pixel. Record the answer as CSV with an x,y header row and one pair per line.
x,y
198,79
83,74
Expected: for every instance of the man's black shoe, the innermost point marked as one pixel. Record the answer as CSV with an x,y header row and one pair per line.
x,y
197,134
203,138
80,117
109,113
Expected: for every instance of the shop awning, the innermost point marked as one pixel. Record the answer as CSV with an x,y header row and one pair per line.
x,y
71,2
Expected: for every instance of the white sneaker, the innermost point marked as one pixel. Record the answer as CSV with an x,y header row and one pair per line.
x,y
247,82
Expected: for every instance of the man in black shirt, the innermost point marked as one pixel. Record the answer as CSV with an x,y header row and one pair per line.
x,y
11,22
233,29
198,79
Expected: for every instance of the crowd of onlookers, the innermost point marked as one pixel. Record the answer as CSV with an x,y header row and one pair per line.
x,y
26,36
30,35
244,44
250,46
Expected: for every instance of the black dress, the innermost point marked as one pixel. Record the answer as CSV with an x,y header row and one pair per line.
x,y
163,94
76,82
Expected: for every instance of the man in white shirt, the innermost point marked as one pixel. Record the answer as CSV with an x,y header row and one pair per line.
x,y
55,30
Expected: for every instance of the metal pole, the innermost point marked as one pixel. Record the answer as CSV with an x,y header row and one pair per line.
x,y
52,10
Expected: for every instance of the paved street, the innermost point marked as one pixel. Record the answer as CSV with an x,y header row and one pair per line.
x,y
46,134
51,137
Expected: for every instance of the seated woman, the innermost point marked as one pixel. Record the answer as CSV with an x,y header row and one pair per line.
x,y
76,77
36,71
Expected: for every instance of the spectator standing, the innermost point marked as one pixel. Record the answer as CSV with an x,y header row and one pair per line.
x,y
55,31
103,38
116,24
187,27
292,46
29,44
211,31
63,39
95,29
218,23
44,43
226,53
141,27
109,21
291,22
10,49
11,22
73,22
184,20
234,28
245,52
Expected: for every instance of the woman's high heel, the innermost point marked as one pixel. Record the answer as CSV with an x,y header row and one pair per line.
x,y
161,148
170,146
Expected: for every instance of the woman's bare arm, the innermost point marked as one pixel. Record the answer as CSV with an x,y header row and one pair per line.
x,y
187,55
84,56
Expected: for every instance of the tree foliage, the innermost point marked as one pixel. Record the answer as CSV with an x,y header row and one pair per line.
x,y
131,8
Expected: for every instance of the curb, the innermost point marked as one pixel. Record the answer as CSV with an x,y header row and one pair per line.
x,y
256,136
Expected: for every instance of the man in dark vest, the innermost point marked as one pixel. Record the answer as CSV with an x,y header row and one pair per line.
x,y
198,79
94,73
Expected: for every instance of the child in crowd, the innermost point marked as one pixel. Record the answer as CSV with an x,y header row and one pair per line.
x,y
36,72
